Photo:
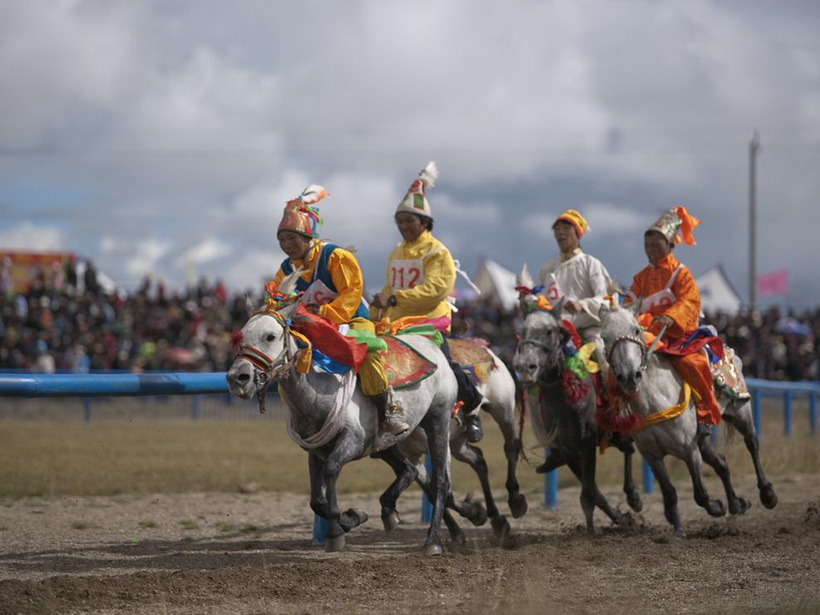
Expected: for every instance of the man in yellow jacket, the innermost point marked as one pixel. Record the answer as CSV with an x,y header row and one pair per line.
x,y
421,275
332,283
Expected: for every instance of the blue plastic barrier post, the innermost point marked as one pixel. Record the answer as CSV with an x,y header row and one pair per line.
x,y
756,396
550,487
426,504
787,413
648,477
813,412
319,529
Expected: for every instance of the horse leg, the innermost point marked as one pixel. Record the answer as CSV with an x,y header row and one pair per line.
x,y
437,426
737,506
742,421
318,501
584,470
466,509
472,455
694,462
669,493
623,442
338,523
516,500
406,472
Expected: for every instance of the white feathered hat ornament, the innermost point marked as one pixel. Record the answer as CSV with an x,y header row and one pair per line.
x,y
415,201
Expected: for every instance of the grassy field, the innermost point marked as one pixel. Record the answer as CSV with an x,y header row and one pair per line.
x,y
143,455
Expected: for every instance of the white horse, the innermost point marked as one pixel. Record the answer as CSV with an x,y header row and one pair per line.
x,y
335,423
560,419
651,385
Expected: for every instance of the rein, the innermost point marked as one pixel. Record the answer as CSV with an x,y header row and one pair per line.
x,y
267,369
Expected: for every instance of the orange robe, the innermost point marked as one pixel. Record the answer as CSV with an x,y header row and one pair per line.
x,y
684,312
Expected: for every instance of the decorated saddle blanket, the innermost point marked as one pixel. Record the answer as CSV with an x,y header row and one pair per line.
x,y
473,356
728,380
403,364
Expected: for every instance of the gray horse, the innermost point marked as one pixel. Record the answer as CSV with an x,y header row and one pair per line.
x,y
331,420
651,385
559,421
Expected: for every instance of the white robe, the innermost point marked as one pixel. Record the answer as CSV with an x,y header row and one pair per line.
x,y
582,278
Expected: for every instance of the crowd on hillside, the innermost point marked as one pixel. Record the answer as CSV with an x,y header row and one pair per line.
x,y
64,324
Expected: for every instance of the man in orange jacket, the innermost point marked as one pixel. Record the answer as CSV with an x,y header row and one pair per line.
x,y
670,298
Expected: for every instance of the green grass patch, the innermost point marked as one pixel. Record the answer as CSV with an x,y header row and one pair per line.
x,y
188,524
80,525
148,524
111,457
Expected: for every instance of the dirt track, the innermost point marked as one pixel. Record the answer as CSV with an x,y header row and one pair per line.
x,y
234,553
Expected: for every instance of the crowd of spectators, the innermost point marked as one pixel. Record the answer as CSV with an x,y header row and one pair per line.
x,y
64,324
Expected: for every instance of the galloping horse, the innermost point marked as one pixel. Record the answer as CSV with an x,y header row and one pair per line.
x,y
565,416
331,420
652,388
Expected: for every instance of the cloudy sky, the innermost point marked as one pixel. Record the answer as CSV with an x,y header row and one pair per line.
x,y
164,137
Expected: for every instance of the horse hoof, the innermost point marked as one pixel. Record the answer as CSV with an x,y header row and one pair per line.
x,y
679,533
391,520
715,508
518,505
768,497
334,544
360,514
501,527
740,506
432,549
635,502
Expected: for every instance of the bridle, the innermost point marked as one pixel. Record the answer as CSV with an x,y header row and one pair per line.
x,y
267,369
646,352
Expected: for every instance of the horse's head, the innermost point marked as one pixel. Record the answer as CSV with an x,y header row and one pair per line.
x,y
625,348
265,353
538,352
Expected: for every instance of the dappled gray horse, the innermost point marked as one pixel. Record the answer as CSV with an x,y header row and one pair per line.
x,y
330,419
649,386
563,412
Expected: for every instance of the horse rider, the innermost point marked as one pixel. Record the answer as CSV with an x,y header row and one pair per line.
x,y
579,278
583,282
421,275
670,299
333,285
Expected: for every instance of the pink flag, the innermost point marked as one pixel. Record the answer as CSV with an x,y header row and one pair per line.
x,y
771,284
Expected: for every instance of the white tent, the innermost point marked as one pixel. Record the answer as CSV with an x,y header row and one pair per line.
x,y
495,281
716,292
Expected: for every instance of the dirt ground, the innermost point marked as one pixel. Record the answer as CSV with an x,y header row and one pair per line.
x,y
253,553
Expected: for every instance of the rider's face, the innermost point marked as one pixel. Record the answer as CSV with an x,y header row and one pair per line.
x,y
656,246
296,246
565,236
410,226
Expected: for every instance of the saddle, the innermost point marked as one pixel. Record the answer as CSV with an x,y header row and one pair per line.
x,y
473,356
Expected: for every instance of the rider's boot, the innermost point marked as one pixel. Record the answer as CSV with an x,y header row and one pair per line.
x,y
473,427
389,411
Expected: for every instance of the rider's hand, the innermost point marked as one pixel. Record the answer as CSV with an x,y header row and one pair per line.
x,y
663,321
572,306
380,300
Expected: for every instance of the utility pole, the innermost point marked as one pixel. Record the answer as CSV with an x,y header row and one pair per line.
x,y
754,149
